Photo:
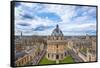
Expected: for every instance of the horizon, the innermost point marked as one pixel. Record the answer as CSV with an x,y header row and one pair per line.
x,y
49,35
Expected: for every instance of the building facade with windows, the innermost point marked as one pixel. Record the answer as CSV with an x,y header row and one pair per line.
x,y
56,49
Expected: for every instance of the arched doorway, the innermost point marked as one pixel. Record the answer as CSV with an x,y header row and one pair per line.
x,y
57,56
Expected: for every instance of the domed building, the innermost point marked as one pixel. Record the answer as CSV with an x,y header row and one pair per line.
x,y
56,45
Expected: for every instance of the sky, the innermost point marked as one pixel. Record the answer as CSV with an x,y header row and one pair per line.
x,y
41,19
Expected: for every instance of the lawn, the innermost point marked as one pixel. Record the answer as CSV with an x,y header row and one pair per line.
x,y
67,59
44,60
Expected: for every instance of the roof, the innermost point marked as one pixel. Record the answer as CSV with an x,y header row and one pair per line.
x,y
57,31
20,54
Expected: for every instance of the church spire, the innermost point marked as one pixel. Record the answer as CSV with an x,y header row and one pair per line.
x,y
21,34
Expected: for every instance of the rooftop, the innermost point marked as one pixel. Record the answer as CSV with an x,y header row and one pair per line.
x,y
57,31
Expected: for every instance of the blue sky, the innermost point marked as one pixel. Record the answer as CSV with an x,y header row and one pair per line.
x,y
41,19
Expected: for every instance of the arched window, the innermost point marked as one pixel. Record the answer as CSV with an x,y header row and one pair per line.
x,y
48,55
65,53
57,56
56,38
61,55
57,45
52,55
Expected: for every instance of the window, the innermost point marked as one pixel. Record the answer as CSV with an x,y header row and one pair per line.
x,y
57,56
48,55
56,38
65,53
61,55
52,55
57,46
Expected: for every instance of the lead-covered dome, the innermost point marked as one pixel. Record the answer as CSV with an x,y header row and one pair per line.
x,y
57,31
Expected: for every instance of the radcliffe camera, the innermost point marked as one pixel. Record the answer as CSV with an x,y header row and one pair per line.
x,y
51,34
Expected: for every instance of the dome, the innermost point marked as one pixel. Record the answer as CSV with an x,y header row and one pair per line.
x,y
57,31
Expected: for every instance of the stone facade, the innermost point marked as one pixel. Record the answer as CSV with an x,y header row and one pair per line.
x,y
24,57
56,45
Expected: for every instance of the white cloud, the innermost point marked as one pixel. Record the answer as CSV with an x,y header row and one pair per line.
x,y
65,12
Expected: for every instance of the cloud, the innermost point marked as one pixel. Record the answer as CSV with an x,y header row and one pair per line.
x,y
42,28
23,24
43,18
49,15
